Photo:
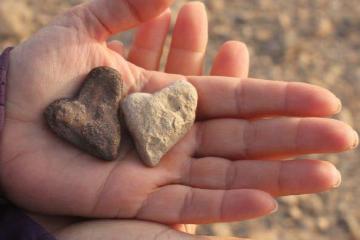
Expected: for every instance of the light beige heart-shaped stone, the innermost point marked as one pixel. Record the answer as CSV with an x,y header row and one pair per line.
x,y
158,121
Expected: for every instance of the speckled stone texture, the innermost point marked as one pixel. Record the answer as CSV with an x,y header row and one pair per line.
x,y
157,122
90,121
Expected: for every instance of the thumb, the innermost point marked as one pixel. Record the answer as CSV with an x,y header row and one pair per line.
x,y
103,18
127,230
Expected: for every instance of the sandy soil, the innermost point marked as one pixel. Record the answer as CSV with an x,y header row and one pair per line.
x,y
315,41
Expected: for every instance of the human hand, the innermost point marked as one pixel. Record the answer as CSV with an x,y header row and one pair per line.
x,y
128,230
193,17
71,229
205,178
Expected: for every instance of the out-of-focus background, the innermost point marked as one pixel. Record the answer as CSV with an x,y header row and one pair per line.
x,y
315,41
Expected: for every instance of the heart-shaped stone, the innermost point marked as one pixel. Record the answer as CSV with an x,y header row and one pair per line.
x,y
157,122
90,120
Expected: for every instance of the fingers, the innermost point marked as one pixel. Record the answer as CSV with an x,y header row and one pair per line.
x,y
176,203
103,18
276,177
248,98
227,97
232,60
271,138
189,41
149,42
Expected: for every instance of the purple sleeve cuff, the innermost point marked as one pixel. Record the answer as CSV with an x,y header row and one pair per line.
x,y
4,66
15,225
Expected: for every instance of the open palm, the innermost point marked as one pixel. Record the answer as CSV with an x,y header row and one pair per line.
x,y
207,177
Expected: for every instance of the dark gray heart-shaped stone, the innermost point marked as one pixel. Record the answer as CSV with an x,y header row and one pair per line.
x,y
90,121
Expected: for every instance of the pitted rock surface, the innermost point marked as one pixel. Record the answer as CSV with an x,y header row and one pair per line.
x,y
90,121
157,122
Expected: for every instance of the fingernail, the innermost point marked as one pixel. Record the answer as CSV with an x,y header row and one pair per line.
x,y
275,208
356,141
339,106
338,181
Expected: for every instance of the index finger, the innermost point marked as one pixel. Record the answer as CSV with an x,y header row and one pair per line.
x,y
223,97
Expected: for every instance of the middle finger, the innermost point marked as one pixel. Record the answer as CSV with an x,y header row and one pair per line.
x,y
189,41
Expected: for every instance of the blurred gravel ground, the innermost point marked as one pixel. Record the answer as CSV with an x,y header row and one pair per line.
x,y
315,41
